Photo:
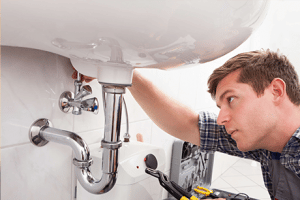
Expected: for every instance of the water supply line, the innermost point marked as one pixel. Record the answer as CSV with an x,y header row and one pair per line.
x,y
126,135
41,132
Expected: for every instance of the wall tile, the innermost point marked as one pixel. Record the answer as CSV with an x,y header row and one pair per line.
x,y
169,81
203,98
189,85
92,137
35,173
163,139
32,83
29,96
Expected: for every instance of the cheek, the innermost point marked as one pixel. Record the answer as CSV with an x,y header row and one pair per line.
x,y
249,118
256,120
246,113
252,114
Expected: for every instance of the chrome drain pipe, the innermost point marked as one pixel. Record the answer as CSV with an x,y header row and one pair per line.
x,y
41,132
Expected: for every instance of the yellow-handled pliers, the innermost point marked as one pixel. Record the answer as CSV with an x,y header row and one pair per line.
x,y
206,192
178,192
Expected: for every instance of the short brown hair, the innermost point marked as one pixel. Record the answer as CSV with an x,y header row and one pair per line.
x,y
258,69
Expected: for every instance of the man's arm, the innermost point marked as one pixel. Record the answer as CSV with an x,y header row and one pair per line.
x,y
170,115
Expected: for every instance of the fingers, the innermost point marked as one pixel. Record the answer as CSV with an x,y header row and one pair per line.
x,y
87,79
74,75
139,137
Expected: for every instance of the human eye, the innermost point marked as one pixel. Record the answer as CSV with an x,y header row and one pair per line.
x,y
230,99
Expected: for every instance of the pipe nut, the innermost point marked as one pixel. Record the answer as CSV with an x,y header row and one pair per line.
x,y
82,163
111,145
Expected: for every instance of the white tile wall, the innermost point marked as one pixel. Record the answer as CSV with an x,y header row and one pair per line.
x,y
161,138
32,82
33,173
243,176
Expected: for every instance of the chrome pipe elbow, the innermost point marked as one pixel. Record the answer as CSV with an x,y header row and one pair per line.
x,y
41,132
78,145
107,181
87,181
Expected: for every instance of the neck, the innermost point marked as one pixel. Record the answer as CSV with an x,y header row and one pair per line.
x,y
286,126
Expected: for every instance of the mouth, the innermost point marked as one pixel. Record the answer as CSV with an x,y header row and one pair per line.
x,y
232,133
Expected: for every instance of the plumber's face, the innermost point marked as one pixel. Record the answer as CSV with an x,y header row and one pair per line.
x,y
246,117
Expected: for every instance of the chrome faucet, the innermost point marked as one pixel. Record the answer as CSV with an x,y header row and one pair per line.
x,y
69,100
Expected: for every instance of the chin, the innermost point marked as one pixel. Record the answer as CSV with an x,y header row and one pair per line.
x,y
245,148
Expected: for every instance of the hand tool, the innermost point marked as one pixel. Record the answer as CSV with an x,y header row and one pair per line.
x,y
178,192
206,192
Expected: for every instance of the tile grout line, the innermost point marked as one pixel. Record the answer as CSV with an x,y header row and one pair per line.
x,y
256,184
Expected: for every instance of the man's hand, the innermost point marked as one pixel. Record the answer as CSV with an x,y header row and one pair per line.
x,y
87,79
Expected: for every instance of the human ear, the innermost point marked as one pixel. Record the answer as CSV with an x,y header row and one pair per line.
x,y
278,88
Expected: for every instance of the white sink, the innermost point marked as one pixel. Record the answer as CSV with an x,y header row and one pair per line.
x,y
144,33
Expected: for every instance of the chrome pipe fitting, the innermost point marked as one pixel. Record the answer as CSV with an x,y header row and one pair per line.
x,y
111,145
68,100
82,164
41,132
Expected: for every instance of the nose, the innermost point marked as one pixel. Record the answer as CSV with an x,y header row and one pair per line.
x,y
223,117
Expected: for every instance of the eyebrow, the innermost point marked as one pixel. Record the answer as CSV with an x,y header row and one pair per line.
x,y
222,96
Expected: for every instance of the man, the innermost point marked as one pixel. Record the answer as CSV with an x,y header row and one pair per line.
x,y
258,94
